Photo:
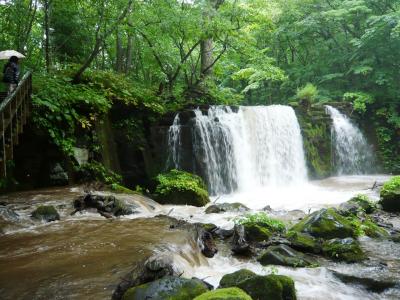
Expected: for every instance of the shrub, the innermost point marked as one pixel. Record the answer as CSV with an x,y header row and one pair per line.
x,y
307,93
261,219
391,185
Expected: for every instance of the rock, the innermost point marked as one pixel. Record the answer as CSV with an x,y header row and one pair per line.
x,y
58,176
105,205
226,207
209,249
224,294
347,250
395,238
45,213
168,287
223,233
284,256
373,285
303,242
235,278
359,204
390,195
372,230
276,287
155,267
239,243
326,224
208,227
256,233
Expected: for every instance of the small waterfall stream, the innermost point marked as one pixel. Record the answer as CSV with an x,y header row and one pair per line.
x,y
174,144
249,148
353,155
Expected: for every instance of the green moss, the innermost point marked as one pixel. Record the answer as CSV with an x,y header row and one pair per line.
x,y
285,256
181,188
167,288
277,287
390,195
117,188
370,229
235,278
303,241
326,224
256,232
224,294
261,219
367,205
347,250
45,212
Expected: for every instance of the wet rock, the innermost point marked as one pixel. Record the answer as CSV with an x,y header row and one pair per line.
x,y
277,287
222,294
45,213
105,205
256,233
223,233
226,207
208,227
284,256
239,243
390,195
273,241
303,242
395,238
359,204
347,250
209,249
326,224
235,278
168,287
373,285
155,267
372,230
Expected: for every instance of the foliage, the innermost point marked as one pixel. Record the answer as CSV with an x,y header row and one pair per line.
x,y
181,181
390,186
263,220
360,100
307,93
95,171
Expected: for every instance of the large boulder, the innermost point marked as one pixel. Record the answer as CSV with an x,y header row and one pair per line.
x,y
240,245
257,233
347,250
235,278
390,195
359,204
181,188
169,287
303,242
326,224
277,287
45,213
226,207
285,256
224,294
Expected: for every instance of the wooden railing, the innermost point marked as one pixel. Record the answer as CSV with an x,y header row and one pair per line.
x,y
14,112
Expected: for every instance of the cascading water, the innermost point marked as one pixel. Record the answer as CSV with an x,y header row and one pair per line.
x,y
353,155
253,147
174,144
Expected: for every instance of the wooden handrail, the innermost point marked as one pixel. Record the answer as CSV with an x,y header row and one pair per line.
x,y
14,111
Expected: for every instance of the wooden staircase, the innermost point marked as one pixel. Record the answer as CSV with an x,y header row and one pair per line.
x,y
14,112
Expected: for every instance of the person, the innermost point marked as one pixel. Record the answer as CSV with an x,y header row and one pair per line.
x,y
11,74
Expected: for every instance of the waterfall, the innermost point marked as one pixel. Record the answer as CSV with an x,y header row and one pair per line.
x,y
174,144
248,148
352,154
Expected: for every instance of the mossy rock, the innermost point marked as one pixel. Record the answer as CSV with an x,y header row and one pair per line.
x,y
181,188
366,204
390,195
224,294
347,250
226,207
276,287
45,213
235,278
326,224
372,230
256,233
303,242
285,256
169,287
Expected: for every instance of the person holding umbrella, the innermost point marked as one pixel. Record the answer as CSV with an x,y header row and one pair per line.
x,y
11,69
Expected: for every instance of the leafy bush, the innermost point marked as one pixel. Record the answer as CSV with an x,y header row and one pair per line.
x,y
181,181
261,219
360,100
307,93
391,185
95,171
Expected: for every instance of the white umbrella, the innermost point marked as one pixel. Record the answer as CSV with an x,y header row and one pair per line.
x,y
8,53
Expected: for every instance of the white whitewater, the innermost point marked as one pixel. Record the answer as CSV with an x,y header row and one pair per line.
x,y
253,147
174,144
353,155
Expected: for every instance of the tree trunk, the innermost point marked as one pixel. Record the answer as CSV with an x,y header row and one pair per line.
x,y
119,53
206,50
128,62
47,34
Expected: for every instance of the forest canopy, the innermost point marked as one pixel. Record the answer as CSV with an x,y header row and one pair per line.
x,y
166,54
